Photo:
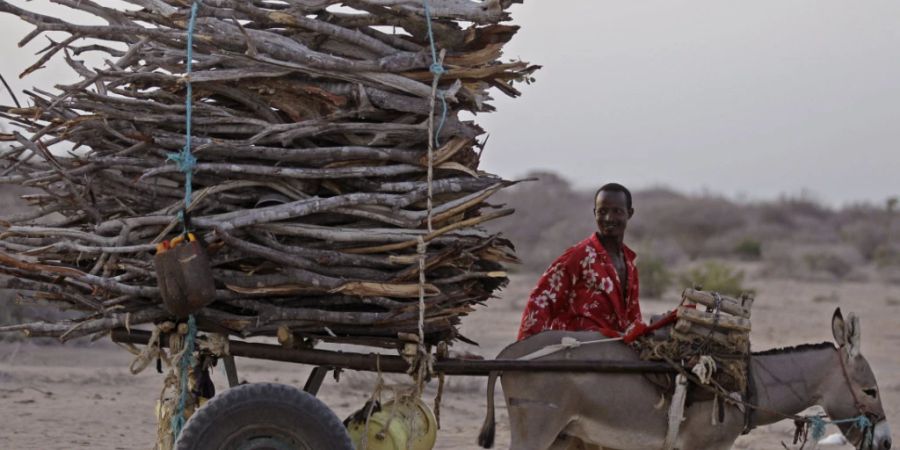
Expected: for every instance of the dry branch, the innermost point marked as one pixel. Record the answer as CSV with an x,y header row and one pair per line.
x,y
310,125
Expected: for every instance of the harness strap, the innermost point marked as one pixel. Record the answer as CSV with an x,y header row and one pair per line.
x,y
676,411
750,396
859,405
566,344
863,421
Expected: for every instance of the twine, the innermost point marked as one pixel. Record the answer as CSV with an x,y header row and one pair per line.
x,y
185,159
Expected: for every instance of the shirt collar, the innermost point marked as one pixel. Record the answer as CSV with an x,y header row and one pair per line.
x,y
595,242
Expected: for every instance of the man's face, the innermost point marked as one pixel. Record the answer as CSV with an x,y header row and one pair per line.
x,y
612,213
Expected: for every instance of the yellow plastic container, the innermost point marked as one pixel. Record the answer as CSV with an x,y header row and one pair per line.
x,y
412,424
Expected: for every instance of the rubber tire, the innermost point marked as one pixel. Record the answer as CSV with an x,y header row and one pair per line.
x,y
234,418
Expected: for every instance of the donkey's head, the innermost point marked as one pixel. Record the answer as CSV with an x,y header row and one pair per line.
x,y
852,391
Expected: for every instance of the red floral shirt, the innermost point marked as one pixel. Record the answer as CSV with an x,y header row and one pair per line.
x,y
581,291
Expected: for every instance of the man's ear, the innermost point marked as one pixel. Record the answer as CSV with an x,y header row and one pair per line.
x,y
839,328
630,212
853,335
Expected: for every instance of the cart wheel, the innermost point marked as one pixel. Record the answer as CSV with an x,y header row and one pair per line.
x,y
264,416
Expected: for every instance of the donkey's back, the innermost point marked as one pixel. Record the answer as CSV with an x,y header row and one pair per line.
x,y
613,410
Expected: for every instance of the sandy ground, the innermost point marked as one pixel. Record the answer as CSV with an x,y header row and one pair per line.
x,y
63,397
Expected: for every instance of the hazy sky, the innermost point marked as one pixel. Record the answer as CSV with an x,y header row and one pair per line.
x,y
751,98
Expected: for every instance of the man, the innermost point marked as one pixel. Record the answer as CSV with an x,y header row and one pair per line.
x,y
593,285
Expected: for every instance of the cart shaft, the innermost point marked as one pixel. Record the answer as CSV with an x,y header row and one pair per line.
x,y
394,364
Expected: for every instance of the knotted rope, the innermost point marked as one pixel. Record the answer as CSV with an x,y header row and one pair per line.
x,y
423,361
420,362
705,368
153,349
817,426
185,362
185,159
437,69
186,162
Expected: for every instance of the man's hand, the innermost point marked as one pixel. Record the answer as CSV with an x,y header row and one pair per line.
x,y
636,330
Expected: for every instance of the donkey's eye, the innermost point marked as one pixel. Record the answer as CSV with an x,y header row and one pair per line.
x,y
871,392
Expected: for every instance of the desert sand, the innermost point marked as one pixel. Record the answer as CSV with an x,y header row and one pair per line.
x,y
83,396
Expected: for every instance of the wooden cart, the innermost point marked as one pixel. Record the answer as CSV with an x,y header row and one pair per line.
x,y
265,415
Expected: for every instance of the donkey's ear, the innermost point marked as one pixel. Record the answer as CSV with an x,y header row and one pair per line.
x,y
839,328
853,334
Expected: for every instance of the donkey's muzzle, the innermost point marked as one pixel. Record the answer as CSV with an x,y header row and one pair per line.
x,y
882,436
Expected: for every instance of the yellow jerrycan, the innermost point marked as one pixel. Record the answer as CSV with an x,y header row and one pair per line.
x,y
410,426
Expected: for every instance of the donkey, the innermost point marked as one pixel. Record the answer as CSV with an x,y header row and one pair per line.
x,y
550,411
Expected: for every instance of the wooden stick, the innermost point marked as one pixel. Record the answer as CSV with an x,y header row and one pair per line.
x,y
726,304
710,320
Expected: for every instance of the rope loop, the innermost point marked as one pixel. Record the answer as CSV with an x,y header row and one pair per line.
x,y
862,422
423,361
705,368
437,69
817,426
186,361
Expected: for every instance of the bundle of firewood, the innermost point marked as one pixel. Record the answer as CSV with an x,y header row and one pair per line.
x,y
711,330
723,321
716,325
310,126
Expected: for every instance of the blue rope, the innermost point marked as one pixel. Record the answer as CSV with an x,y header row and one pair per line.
x,y
437,70
817,426
186,160
184,367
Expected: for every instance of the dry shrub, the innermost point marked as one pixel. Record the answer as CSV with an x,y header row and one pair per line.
x,y
833,297
13,312
664,248
690,221
794,237
829,263
655,279
10,313
866,236
813,262
749,249
716,276
837,262
800,218
550,217
735,244
791,211
779,261
18,307
887,255
889,274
